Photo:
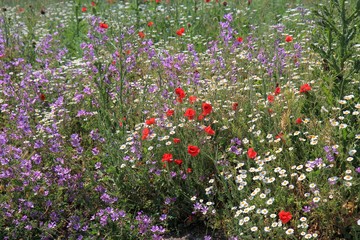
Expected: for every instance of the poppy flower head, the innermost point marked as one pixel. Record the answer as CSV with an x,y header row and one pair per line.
x,y
271,98
145,133
83,9
167,157
150,121
305,88
192,99
190,113
176,140
277,91
235,106
178,162
180,32
251,153
240,39
298,121
169,112
150,24
42,97
141,34
103,25
288,38
193,150
285,217
93,4
207,108
209,130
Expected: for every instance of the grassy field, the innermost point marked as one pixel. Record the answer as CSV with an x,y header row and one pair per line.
x,y
194,119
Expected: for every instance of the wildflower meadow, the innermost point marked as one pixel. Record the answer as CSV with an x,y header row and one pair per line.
x,y
179,119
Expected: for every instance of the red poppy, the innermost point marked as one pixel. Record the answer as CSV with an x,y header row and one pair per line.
x,y
176,140
251,153
298,121
189,170
193,150
150,121
277,91
288,38
192,99
305,88
190,113
178,162
209,130
169,112
180,31
128,52
83,9
42,97
280,135
207,1
240,39
93,4
167,157
285,216
200,117
271,98
21,10
141,34
158,1
180,92
207,108
150,24
235,106
103,25
145,133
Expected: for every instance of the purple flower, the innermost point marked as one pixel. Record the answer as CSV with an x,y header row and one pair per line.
x,y
306,209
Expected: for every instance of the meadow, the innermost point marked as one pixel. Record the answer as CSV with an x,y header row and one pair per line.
x,y
192,119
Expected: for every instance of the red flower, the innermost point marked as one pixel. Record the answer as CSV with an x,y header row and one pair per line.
x,y
189,170
277,91
83,9
209,130
288,38
178,162
285,216
150,121
141,34
207,108
271,98
42,97
167,157
207,1
251,153
176,140
180,93
158,1
190,113
298,121
192,99
93,4
280,135
150,24
305,88
145,133
200,117
193,150
240,39
103,25
169,112
234,106
180,31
